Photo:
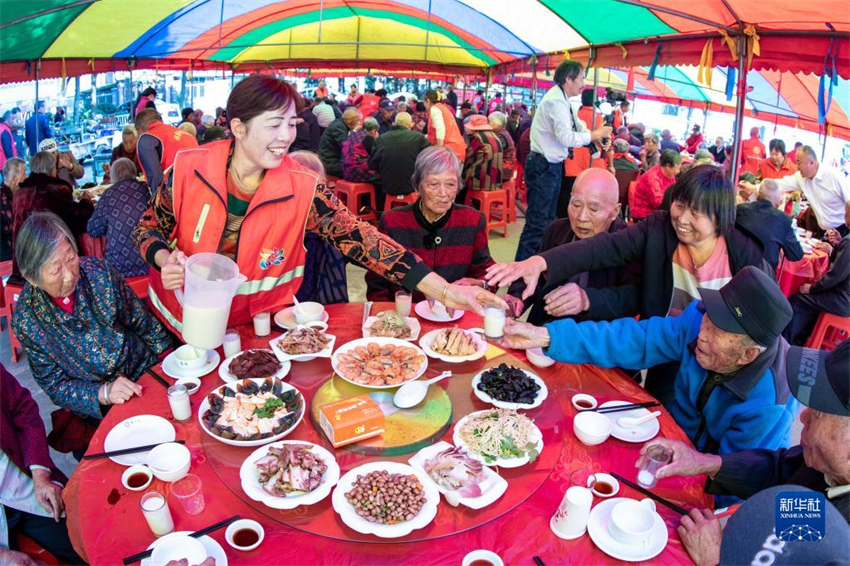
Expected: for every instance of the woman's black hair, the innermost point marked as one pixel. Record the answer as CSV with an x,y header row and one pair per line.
x,y
256,94
706,189
587,97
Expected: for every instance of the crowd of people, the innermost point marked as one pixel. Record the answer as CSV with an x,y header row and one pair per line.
x,y
636,253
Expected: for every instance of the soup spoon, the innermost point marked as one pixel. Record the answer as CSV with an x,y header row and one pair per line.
x,y
412,393
631,422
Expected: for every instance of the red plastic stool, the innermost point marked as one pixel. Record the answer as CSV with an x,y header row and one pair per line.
x,y
5,271
487,200
521,187
331,182
35,551
510,190
139,285
829,332
351,194
394,201
11,293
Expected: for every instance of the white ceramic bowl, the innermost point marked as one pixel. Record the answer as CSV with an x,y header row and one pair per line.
x,y
538,358
592,428
603,478
186,357
308,312
244,524
491,557
137,469
584,397
175,548
170,462
192,384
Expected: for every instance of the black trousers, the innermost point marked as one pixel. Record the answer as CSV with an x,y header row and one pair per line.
x,y
52,536
565,195
807,309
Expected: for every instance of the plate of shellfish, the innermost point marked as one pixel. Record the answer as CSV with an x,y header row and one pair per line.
x,y
379,363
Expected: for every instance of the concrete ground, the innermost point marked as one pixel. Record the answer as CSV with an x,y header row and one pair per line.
x,y
502,249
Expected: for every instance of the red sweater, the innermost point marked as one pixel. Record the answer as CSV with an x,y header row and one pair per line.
x,y
649,192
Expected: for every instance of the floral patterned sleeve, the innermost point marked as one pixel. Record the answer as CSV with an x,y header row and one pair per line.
x,y
363,243
157,224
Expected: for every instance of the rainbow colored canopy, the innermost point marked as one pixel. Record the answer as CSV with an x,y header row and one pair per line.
x,y
450,36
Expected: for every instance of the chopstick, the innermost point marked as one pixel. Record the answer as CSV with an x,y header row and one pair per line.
x,y
196,534
538,561
620,408
129,450
157,377
649,494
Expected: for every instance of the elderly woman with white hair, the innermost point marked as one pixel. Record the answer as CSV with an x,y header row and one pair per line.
x,y
499,122
116,215
14,171
87,336
450,238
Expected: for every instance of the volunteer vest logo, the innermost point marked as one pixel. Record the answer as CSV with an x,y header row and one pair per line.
x,y
269,257
800,516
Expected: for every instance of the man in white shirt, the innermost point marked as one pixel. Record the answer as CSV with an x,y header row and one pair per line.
x,y
323,113
826,191
555,130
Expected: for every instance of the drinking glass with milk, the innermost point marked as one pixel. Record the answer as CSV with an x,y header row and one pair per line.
x,y
211,281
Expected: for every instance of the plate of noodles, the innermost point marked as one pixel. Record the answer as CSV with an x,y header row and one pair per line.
x,y
499,437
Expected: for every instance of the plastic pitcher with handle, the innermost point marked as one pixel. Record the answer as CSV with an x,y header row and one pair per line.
x,y
211,281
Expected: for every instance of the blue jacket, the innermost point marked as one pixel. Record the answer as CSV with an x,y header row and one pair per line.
x,y
754,409
43,126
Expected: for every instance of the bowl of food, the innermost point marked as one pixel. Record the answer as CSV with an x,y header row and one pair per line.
x,y
454,345
308,311
251,412
592,428
499,437
538,358
379,363
389,324
508,387
303,343
414,499
289,473
257,363
170,461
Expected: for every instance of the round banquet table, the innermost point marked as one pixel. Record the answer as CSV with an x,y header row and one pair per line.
x,y
106,524
793,274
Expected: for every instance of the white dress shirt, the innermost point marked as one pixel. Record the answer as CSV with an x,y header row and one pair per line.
x,y
827,194
552,132
17,491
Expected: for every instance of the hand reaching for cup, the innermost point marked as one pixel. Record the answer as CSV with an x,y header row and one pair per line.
x,y
686,461
529,271
567,300
522,335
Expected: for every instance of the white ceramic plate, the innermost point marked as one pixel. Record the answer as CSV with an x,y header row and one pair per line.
x,y
413,323
205,405
227,377
210,545
501,462
350,517
253,489
492,488
597,528
542,394
286,319
480,343
640,433
172,370
436,314
140,430
381,342
284,357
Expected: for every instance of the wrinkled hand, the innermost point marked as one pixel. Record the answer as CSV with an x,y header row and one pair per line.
x,y
522,335
529,270
208,561
686,461
746,189
65,161
468,298
567,300
470,282
173,269
805,288
121,390
15,558
601,132
515,306
825,247
702,535
48,494
833,237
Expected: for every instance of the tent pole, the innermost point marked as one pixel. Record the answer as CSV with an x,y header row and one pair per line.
x,y
595,90
37,67
739,106
534,84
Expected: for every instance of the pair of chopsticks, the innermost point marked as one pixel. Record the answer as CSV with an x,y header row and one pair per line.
x,y
157,377
133,450
649,494
620,408
196,534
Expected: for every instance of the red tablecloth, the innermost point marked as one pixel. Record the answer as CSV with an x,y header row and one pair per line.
x,y
105,530
793,274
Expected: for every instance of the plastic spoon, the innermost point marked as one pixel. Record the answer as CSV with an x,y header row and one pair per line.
x,y
632,422
411,394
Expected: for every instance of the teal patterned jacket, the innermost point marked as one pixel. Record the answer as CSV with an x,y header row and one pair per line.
x,y
110,334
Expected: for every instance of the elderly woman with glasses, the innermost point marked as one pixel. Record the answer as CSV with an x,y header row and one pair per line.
x,y
87,336
450,238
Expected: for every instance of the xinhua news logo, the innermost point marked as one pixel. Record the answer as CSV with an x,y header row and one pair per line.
x,y
800,516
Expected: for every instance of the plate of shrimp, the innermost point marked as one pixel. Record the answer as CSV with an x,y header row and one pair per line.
x,y
379,363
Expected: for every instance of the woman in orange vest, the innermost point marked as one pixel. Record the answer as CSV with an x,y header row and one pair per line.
x,y
442,126
245,198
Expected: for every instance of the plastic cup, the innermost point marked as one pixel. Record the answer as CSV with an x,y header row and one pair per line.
x,y
232,343
263,324
656,457
156,512
189,492
403,301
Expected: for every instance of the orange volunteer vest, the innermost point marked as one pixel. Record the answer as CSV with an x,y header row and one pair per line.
x,y
752,152
454,139
270,251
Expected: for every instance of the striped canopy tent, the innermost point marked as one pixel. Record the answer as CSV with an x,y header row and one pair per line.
x,y
452,37
783,98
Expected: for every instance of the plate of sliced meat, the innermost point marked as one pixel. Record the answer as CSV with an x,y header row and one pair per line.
x,y
454,345
252,364
303,343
